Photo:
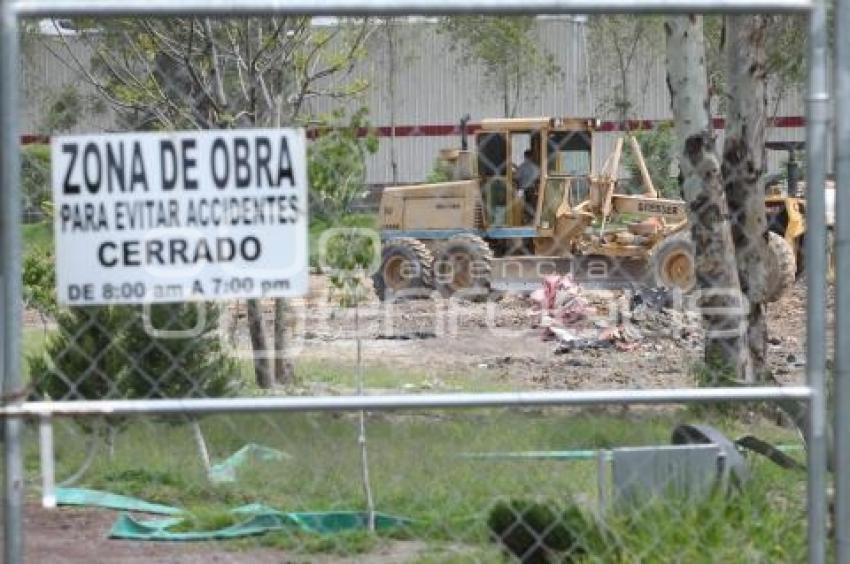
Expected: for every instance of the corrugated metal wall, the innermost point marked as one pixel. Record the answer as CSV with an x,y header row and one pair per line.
x,y
44,75
434,87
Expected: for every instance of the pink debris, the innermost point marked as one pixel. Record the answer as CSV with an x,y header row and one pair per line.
x,y
562,309
560,302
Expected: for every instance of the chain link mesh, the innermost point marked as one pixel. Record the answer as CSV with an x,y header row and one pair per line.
x,y
573,281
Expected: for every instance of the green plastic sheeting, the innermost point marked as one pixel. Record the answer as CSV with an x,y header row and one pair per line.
x,y
537,454
225,471
95,498
581,454
256,519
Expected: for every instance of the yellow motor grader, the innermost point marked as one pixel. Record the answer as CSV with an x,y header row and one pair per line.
x,y
480,230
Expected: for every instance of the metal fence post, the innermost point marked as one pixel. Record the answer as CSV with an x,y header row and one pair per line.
x,y
10,251
816,128
47,455
842,298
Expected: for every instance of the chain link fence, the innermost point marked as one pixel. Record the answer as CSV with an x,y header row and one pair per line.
x,y
541,348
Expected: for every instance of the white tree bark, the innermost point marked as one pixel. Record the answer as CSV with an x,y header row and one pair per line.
x,y
743,165
716,272
686,77
392,75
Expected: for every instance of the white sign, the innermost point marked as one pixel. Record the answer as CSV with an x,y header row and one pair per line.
x,y
180,216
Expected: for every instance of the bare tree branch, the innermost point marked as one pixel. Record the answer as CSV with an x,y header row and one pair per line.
x,y
215,64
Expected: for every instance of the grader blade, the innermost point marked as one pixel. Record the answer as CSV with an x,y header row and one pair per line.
x,y
524,274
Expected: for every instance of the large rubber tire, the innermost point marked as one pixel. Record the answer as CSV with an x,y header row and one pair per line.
x,y
406,264
781,267
463,264
673,265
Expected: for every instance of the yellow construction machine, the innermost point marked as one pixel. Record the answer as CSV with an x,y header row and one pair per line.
x,y
482,230
785,203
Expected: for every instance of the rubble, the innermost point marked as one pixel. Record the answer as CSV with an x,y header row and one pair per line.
x,y
567,317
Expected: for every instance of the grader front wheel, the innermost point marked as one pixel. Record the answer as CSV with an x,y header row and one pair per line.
x,y
406,264
673,263
463,265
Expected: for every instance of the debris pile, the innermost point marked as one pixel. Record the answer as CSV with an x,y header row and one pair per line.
x,y
656,318
568,317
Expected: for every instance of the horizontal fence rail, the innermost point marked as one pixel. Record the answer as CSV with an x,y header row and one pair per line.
x,y
71,8
411,401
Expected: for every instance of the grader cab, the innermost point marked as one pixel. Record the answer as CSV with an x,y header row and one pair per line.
x,y
482,229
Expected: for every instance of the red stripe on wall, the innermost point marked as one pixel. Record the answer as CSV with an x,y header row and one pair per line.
x,y
32,139
446,130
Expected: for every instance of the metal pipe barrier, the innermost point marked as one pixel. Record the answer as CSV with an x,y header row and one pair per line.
x,y
402,402
10,243
11,267
166,8
815,249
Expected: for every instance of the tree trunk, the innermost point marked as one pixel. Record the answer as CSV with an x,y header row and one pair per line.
x,y
623,101
743,165
716,273
506,93
391,89
284,370
262,371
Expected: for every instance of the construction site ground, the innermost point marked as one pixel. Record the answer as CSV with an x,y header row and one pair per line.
x,y
498,345
445,345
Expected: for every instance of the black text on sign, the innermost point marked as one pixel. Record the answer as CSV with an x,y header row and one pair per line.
x,y
164,217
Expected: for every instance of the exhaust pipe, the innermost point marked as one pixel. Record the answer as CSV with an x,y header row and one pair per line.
x,y
464,145
793,175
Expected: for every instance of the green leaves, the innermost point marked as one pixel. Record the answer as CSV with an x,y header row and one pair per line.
x,y
40,280
336,163
621,48
507,48
442,172
35,177
122,352
657,146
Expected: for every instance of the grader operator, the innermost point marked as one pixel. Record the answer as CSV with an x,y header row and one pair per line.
x,y
501,226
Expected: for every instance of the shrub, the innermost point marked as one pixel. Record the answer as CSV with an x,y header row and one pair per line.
x,y
175,351
39,278
657,146
111,352
35,180
336,163
82,359
545,532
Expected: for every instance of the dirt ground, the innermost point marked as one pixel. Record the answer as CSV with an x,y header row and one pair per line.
x,y
501,341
